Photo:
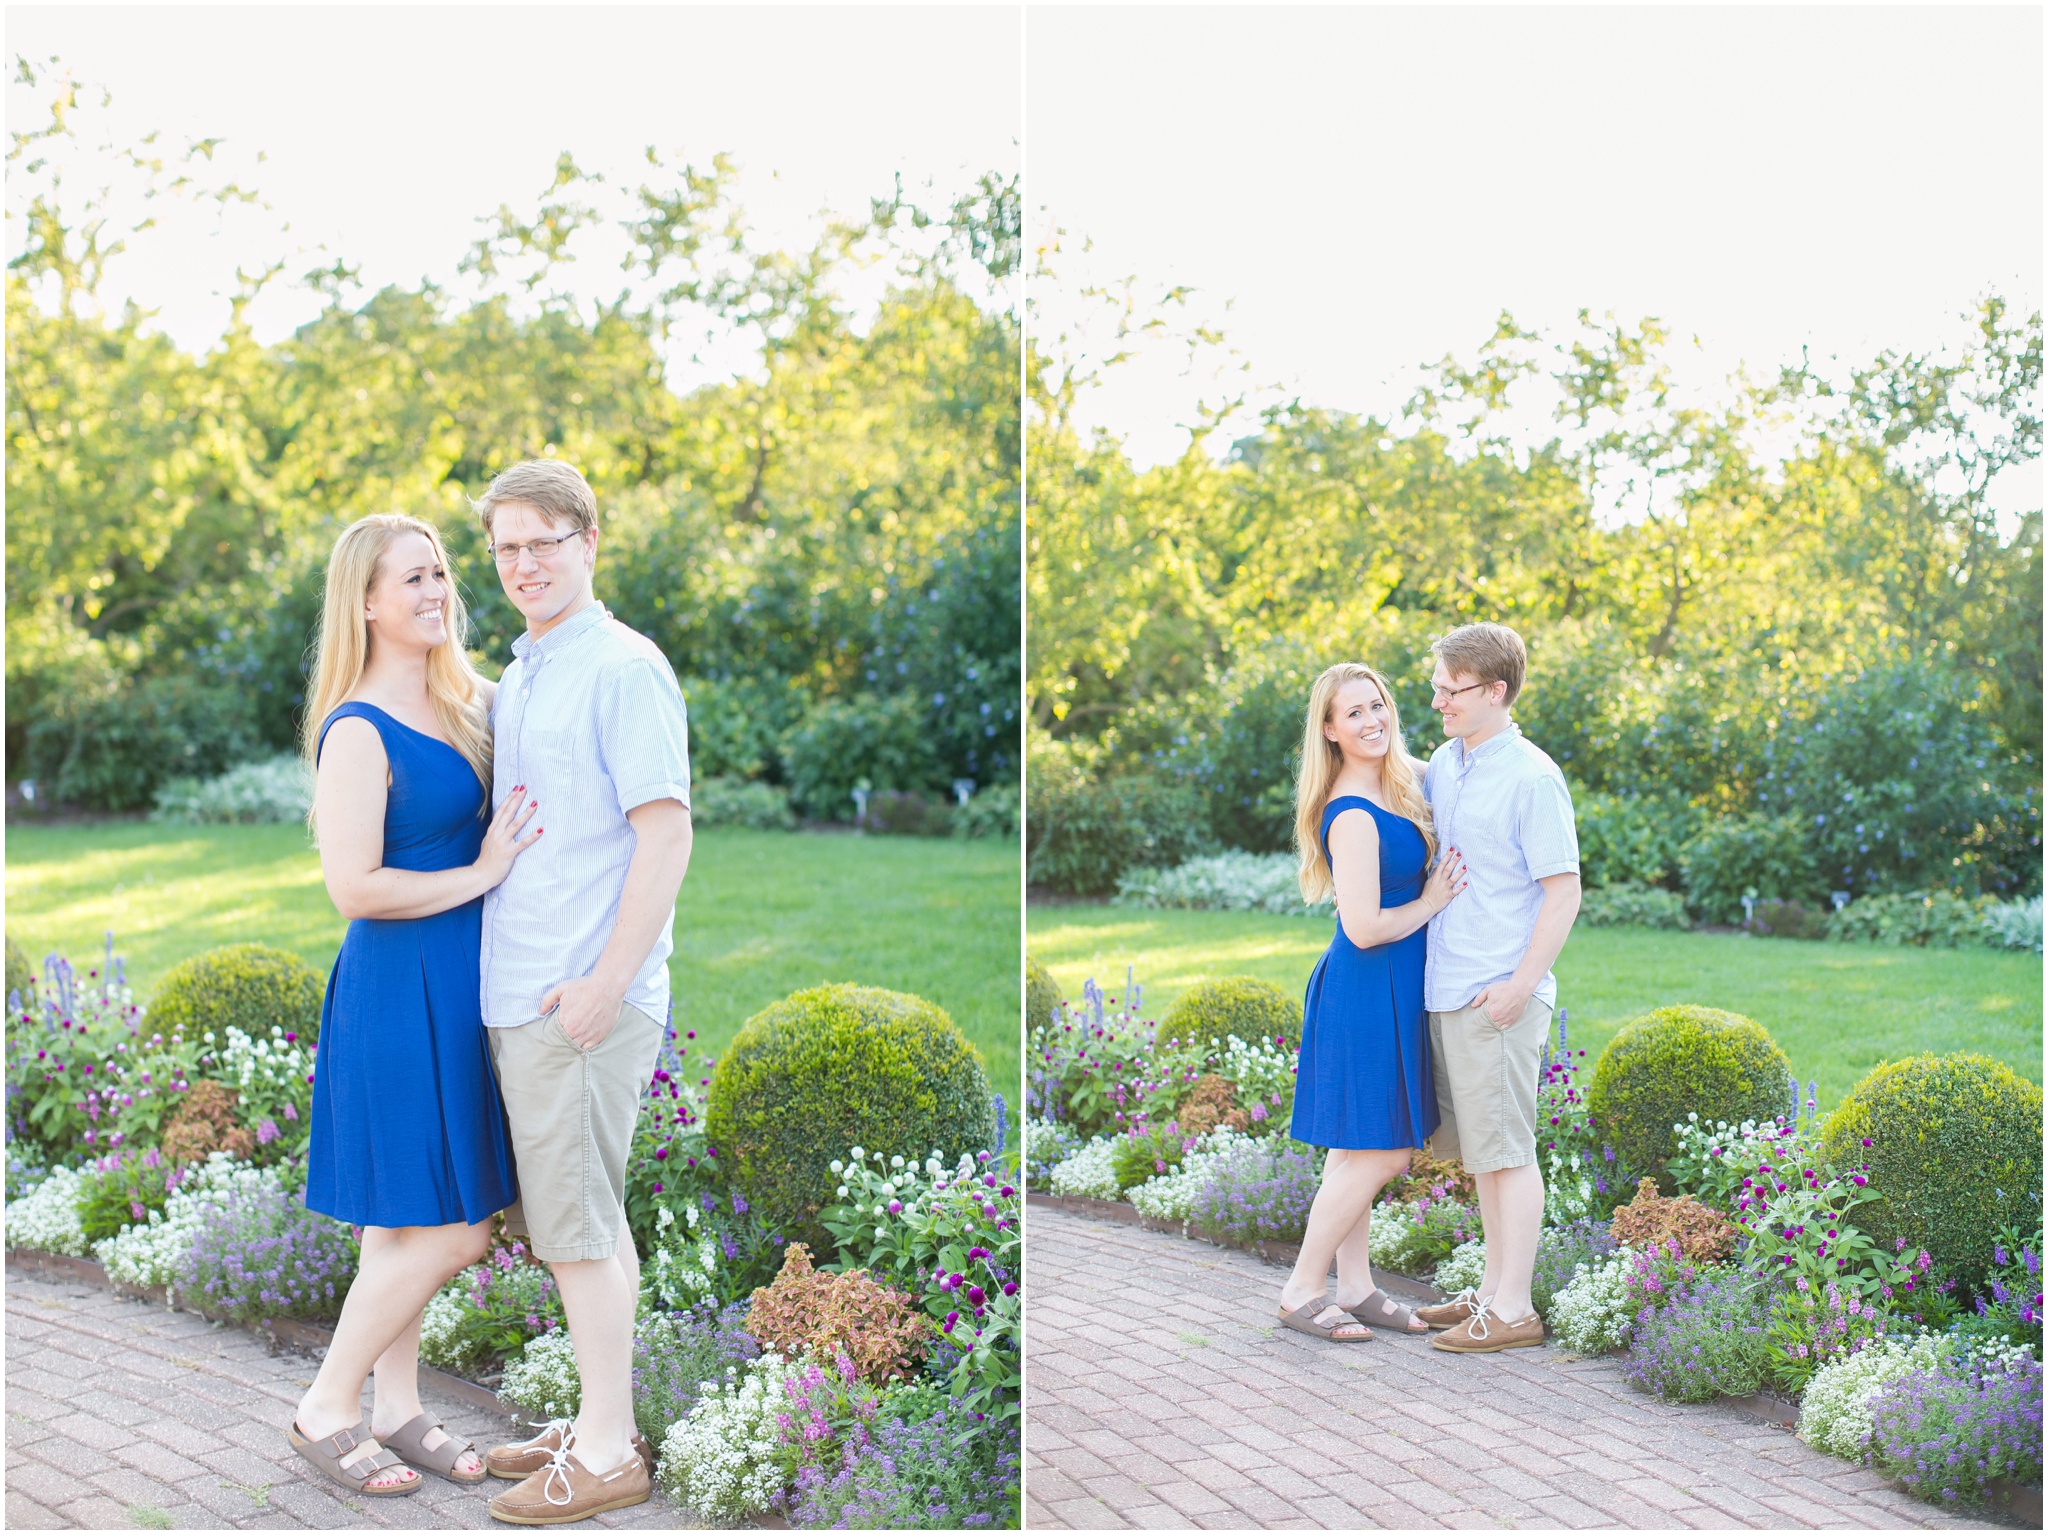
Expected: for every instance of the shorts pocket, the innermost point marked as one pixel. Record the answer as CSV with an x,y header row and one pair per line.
x,y
553,1033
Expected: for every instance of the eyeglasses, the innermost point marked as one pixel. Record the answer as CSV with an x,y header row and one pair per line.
x,y
543,548
1439,695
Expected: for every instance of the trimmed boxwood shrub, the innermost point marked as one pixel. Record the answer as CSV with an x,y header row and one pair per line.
x,y
822,1071
1237,1004
1679,1060
1041,994
1954,1149
248,986
21,975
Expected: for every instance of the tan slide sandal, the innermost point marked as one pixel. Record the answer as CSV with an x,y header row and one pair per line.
x,y
1303,1319
327,1454
409,1443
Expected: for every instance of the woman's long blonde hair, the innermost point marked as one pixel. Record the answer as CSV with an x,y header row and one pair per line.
x,y
342,647
1320,763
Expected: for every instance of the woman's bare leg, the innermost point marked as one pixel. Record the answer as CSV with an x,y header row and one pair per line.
x,y
1340,1216
401,1269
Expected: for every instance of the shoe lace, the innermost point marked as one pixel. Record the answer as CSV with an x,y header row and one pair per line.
x,y
1482,1312
558,1467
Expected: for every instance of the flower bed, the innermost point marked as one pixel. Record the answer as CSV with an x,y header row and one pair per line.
x,y
1743,1258
876,1383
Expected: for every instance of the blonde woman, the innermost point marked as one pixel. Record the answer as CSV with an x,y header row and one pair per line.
x,y
408,1132
1364,1089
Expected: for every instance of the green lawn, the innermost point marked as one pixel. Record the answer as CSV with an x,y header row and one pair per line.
x,y
761,914
1837,1009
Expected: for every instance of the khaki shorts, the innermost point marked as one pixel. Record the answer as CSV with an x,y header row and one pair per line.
x,y
1486,1086
572,1113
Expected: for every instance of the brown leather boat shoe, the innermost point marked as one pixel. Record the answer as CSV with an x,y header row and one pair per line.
x,y
516,1462
1485,1333
565,1491
1450,1313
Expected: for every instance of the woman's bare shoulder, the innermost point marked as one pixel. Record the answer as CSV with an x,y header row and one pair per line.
x,y
351,741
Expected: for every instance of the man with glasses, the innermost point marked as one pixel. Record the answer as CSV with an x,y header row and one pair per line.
x,y
576,942
1504,806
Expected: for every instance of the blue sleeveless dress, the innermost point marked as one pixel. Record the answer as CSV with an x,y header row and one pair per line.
x,y
408,1128
1364,1082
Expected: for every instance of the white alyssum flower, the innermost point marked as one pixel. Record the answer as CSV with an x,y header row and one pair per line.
x,y
723,1459
1391,1232
1171,1196
46,1218
1089,1173
151,1254
1590,1315
1463,1269
1834,1410
542,1382
439,1326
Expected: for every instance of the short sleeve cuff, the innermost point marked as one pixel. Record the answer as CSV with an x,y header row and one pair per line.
x,y
632,799
1545,870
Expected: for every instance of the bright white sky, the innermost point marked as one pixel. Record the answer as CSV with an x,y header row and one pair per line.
x,y
390,130
1368,188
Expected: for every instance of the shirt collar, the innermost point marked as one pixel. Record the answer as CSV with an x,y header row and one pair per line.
x,y
1496,743
562,634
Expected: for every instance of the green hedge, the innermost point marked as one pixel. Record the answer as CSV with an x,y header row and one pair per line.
x,y
1772,855
1085,834
822,1071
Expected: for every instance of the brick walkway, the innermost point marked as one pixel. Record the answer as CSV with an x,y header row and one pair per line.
x,y
1161,1393
121,1414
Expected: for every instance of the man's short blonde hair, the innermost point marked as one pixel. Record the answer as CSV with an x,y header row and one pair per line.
x,y
1487,652
558,489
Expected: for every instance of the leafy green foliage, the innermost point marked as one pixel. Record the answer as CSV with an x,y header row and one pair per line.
x,y
953,1236
1678,1061
247,986
1147,1154
122,1189
1761,856
1952,1144
1637,840
1627,904
484,1315
837,519
841,1066
1897,781
114,749
1925,919
864,742
739,802
1767,631
1082,834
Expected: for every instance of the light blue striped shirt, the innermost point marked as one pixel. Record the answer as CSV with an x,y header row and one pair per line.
x,y
590,719
1505,808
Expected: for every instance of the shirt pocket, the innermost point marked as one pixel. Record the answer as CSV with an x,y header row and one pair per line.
x,y
1485,829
